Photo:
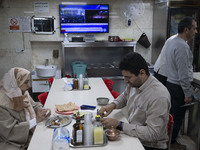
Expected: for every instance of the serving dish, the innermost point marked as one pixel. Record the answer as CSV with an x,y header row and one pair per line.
x,y
102,100
66,112
112,134
82,89
58,121
84,146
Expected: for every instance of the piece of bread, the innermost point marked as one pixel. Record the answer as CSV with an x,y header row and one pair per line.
x,y
66,107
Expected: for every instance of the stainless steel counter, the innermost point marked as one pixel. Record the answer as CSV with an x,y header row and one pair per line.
x,y
99,44
196,77
193,120
95,53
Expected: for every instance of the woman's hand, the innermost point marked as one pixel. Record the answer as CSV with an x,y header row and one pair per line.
x,y
48,112
20,103
42,114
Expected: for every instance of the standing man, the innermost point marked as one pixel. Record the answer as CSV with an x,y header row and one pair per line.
x,y
160,71
147,101
179,60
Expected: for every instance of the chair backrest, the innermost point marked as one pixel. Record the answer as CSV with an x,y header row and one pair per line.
x,y
50,80
109,84
115,94
42,98
170,129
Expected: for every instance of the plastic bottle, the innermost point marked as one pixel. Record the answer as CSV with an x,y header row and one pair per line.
x,y
61,139
80,82
88,129
78,135
98,131
85,83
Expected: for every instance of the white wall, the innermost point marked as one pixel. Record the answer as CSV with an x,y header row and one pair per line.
x,y
40,47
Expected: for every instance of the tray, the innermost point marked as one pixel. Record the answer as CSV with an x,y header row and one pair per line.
x,y
81,90
84,146
67,118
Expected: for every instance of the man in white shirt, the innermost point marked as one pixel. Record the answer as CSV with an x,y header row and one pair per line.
x,y
147,101
179,59
160,71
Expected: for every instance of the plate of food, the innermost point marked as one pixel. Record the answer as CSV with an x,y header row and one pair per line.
x,y
58,121
66,109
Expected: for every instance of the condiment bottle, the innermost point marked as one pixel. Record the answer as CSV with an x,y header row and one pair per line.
x,y
98,131
78,132
75,82
86,83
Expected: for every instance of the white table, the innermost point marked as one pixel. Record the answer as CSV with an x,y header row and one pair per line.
x,y
42,137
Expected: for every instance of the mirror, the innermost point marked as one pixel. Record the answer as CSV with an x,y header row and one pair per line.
x,y
43,25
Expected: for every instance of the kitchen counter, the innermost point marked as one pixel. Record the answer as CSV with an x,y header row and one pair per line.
x,y
196,79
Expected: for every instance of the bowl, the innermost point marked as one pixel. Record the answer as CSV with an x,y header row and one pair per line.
x,y
102,100
112,134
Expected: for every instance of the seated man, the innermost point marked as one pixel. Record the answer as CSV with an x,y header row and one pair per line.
x,y
147,101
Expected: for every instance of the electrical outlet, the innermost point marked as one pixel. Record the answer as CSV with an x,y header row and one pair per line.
x,y
19,50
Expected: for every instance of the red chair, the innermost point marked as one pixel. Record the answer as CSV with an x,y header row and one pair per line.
x,y
50,80
109,84
42,98
170,126
115,94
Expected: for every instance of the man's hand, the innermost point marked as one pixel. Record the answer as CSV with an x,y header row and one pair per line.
x,y
109,122
106,110
188,100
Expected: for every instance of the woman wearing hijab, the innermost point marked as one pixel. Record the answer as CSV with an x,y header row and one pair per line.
x,y
19,114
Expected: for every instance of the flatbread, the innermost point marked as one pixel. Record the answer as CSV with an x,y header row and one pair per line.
x,y
66,107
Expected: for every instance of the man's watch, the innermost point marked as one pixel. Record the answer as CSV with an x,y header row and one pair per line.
x,y
119,127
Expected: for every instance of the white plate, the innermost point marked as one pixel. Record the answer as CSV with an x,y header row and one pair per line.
x,y
64,119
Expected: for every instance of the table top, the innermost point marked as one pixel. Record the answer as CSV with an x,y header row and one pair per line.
x,y
42,137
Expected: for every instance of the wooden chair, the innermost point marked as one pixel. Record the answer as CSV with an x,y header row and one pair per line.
x,y
170,129
42,98
109,84
115,94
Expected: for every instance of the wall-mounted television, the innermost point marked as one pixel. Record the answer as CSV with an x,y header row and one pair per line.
x,y
89,18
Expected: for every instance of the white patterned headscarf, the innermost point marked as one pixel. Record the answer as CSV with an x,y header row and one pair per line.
x,y
11,83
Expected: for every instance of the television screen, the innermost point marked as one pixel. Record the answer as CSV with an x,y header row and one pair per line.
x,y
89,18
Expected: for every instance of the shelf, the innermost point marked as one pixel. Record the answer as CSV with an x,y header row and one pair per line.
x,y
99,44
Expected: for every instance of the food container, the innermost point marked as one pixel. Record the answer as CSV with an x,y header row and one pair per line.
x,y
112,134
102,100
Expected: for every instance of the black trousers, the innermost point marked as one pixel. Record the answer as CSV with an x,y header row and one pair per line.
x,y
151,148
178,113
160,78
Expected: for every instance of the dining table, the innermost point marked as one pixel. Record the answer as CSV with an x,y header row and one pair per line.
x,y
58,95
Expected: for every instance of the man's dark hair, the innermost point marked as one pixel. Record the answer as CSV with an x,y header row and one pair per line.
x,y
133,62
185,23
